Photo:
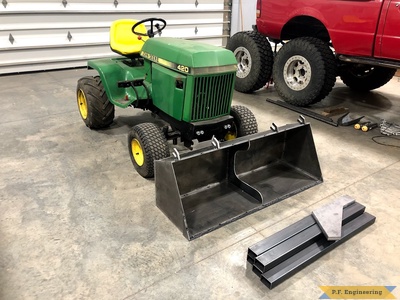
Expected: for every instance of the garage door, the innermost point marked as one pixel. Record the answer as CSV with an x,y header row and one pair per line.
x,y
49,34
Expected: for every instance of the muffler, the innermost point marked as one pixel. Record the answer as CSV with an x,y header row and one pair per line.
x,y
204,189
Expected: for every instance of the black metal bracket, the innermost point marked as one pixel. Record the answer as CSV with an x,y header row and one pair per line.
x,y
286,252
134,84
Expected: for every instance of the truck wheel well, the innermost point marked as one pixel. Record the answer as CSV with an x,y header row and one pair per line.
x,y
305,26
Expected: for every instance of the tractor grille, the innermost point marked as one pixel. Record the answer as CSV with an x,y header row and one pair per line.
x,y
212,96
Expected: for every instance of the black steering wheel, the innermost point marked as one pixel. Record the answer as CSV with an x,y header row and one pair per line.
x,y
151,32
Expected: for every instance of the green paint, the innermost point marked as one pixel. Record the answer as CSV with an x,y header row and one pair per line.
x,y
114,70
186,79
189,53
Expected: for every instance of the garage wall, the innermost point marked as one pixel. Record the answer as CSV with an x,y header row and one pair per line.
x,y
49,34
243,15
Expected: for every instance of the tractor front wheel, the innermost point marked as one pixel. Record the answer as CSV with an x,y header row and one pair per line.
x,y
245,122
94,107
146,143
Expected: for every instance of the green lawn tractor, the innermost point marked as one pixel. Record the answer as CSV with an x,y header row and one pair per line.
x,y
189,85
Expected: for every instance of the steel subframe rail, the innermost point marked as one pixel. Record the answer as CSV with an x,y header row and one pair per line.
x,y
281,255
304,111
280,237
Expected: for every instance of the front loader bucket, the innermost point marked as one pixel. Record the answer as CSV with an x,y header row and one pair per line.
x,y
207,188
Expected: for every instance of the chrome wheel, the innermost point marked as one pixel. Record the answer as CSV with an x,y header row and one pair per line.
x,y
297,72
243,59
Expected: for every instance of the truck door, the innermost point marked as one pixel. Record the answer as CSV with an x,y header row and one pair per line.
x,y
389,39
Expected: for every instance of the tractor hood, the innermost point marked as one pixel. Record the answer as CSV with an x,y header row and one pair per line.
x,y
188,56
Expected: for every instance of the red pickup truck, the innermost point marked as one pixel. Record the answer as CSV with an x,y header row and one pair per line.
x,y
358,40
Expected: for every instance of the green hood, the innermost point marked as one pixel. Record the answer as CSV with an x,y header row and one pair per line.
x,y
187,56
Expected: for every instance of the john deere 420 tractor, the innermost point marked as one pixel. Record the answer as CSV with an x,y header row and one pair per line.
x,y
187,84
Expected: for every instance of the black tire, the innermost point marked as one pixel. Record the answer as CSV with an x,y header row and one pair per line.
x,y
254,55
330,65
304,71
94,107
364,78
153,146
244,119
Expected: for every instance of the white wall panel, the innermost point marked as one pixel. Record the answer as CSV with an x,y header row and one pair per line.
x,y
243,15
48,34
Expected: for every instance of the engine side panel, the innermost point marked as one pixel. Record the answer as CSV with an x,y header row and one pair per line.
x,y
168,91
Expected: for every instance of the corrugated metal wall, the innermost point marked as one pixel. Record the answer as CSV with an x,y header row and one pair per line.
x,y
49,34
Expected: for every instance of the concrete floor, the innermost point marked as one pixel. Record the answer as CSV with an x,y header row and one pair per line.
x,y
77,222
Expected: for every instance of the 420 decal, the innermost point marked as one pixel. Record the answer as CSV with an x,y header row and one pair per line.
x,y
183,68
166,63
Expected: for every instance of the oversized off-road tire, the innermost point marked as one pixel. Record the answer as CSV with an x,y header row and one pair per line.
x,y
364,78
330,65
245,122
94,107
304,71
146,143
254,58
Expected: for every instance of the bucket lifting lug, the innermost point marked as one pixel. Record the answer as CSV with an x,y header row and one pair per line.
x,y
301,119
273,127
175,153
215,143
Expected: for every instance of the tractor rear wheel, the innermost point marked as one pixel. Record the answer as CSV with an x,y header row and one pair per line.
x,y
146,143
254,58
94,107
245,122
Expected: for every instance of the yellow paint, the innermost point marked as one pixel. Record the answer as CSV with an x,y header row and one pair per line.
x,y
137,152
357,292
230,136
123,40
82,104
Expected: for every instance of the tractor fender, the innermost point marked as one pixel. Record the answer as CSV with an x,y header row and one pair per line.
x,y
116,75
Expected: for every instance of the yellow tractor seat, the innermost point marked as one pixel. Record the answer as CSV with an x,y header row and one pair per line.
x,y
123,41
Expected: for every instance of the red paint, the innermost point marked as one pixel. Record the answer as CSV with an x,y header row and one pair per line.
x,y
358,28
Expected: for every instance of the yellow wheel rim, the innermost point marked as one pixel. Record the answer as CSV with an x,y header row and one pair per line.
x,y
230,136
137,152
82,104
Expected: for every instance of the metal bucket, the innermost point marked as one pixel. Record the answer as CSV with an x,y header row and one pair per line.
x,y
207,188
